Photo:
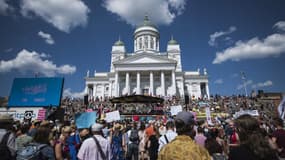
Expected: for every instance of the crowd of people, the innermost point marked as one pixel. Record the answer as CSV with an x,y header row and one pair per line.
x,y
175,137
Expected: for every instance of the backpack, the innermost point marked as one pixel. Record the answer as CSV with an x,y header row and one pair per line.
x,y
31,152
4,150
134,136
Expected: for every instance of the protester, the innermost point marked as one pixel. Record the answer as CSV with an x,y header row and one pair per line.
x,y
278,138
62,146
90,149
73,142
42,136
253,145
133,145
169,135
23,139
142,143
183,147
152,145
117,142
7,138
200,138
214,149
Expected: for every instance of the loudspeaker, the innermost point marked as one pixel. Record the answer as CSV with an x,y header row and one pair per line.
x,y
86,99
186,99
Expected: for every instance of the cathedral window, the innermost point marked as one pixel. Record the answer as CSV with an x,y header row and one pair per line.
x,y
152,43
140,43
145,41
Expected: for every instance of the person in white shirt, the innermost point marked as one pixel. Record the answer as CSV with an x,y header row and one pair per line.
x,y
90,150
169,136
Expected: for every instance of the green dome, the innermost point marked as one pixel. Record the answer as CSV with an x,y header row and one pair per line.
x,y
172,41
146,22
119,43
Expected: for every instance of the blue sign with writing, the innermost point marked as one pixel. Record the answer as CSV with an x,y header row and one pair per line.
x,y
36,92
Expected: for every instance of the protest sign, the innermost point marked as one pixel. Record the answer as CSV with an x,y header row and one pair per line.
x,y
85,120
208,115
112,116
175,109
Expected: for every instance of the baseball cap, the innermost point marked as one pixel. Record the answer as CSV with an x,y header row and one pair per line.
x,y
97,127
186,117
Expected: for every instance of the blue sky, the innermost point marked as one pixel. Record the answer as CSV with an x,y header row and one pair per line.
x,y
68,37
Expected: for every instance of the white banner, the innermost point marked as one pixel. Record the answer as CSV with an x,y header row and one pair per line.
x,y
242,112
112,116
19,113
208,115
175,109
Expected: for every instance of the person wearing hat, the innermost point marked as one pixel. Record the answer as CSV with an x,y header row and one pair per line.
x,y
116,139
7,136
183,146
96,147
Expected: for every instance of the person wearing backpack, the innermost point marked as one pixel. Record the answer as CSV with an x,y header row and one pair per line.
x,y
133,146
43,150
169,136
7,138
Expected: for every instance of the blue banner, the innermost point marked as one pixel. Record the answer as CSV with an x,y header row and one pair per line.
x,y
85,120
36,92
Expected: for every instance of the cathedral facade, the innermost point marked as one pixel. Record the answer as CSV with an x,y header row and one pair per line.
x,y
147,70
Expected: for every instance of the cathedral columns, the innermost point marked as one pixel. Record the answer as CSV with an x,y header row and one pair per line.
x,y
138,83
173,81
116,84
128,83
94,90
162,84
110,88
207,90
151,83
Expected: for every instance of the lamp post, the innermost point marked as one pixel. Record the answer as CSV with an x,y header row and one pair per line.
x,y
243,78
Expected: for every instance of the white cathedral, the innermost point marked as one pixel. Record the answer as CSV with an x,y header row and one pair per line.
x,y
147,71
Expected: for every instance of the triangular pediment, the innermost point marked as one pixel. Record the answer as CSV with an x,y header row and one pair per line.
x,y
145,58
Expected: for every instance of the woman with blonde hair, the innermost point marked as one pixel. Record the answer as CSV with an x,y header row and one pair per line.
x,y
117,142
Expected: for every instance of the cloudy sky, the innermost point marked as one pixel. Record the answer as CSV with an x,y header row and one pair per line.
x,y
68,37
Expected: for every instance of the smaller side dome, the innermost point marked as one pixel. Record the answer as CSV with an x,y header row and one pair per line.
x,y
119,43
172,41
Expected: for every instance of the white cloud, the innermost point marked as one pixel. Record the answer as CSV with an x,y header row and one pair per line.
x,y
62,14
219,81
34,62
68,93
241,86
280,25
5,7
47,37
272,46
159,11
262,84
214,36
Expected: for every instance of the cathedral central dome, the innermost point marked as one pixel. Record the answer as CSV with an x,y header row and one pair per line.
x,y
146,37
